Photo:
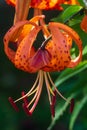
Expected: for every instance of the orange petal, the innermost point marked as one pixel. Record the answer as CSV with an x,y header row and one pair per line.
x,y
59,48
77,40
10,2
16,34
68,39
51,4
10,37
23,53
47,4
84,24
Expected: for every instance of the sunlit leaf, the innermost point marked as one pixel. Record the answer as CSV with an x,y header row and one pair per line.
x,y
70,11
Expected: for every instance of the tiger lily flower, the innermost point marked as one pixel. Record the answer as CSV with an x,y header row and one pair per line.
x,y
52,55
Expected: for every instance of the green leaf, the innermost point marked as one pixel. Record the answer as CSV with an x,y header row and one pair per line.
x,y
60,109
85,50
70,11
65,6
68,73
76,111
74,21
81,2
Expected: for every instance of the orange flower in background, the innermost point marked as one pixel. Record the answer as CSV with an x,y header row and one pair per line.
x,y
47,4
84,24
51,4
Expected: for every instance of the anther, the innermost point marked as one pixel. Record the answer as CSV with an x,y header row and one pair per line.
x,y
13,104
54,97
26,110
24,98
52,107
71,105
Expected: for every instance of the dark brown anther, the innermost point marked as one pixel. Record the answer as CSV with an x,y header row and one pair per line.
x,y
52,107
71,105
54,98
25,98
13,104
26,110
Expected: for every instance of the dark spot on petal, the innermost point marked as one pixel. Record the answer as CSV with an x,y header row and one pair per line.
x,y
64,41
69,57
65,45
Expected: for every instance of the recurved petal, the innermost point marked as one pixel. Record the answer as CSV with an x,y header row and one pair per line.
x,y
24,51
11,37
59,49
16,34
75,37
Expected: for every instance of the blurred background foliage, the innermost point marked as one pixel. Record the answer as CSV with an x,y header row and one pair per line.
x,y
72,83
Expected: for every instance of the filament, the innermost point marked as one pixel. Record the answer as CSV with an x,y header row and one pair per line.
x,y
30,89
55,87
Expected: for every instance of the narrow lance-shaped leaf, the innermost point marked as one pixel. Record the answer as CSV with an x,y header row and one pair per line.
x,y
70,11
60,110
68,73
78,106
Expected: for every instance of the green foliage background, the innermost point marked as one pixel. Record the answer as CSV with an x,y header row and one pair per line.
x,y
72,83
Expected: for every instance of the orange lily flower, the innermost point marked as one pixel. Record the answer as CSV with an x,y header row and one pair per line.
x,y
52,55
47,4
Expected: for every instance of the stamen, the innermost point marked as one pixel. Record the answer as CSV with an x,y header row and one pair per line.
x,y
54,98
26,110
38,91
33,97
55,87
26,95
52,107
24,98
13,104
71,105
47,86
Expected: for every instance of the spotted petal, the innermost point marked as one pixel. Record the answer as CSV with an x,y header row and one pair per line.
x,y
58,47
